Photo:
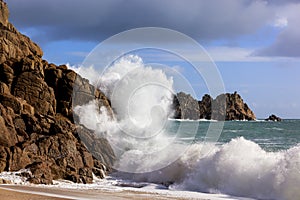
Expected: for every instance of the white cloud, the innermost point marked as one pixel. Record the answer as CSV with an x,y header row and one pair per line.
x,y
178,68
281,22
237,54
217,54
224,54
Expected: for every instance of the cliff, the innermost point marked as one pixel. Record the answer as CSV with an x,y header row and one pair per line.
x,y
13,44
224,107
37,130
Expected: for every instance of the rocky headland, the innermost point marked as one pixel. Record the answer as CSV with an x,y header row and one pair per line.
x,y
37,130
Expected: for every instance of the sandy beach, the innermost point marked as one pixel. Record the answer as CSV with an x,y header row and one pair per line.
x,y
13,195
17,192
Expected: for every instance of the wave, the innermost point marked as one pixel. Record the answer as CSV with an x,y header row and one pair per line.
x,y
275,128
141,97
233,131
240,168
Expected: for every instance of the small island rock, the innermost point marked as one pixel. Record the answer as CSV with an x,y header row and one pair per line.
x,y
273,118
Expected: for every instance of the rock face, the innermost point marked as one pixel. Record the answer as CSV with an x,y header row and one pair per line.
x,y
4,13
236,109
185,106
224,107
273,118
37,130
12,43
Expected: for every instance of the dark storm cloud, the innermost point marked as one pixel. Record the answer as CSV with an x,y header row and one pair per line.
x,y
95,20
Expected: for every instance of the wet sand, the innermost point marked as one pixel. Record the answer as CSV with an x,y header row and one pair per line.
x,y
17,192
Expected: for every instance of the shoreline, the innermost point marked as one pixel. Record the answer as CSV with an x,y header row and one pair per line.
x,y
36,192
19,192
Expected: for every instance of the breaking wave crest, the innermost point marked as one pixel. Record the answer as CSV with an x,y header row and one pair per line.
x,y
148,153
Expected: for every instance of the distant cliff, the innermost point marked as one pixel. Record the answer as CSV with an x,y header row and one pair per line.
x,y
37,130
224,107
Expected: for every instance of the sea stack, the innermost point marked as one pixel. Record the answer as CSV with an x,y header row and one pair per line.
x,y
273,118
37,130
223,107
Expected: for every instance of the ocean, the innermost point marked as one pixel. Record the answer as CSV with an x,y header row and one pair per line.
x,y
234,159
257,159
270,136
250,160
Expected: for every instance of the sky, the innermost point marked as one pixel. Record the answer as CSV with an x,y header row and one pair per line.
x,y
255,44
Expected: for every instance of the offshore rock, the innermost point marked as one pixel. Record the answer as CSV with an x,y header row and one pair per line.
x,y
185,106
224,107
236,109
273,118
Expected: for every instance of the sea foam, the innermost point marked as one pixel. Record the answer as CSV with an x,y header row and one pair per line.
x,y
141,97
240,167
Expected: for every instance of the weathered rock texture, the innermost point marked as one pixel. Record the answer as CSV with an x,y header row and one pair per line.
x,y
14,44
224,107
185,106
37,130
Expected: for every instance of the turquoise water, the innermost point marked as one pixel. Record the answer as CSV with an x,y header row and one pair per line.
x,y
255,159
271,136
